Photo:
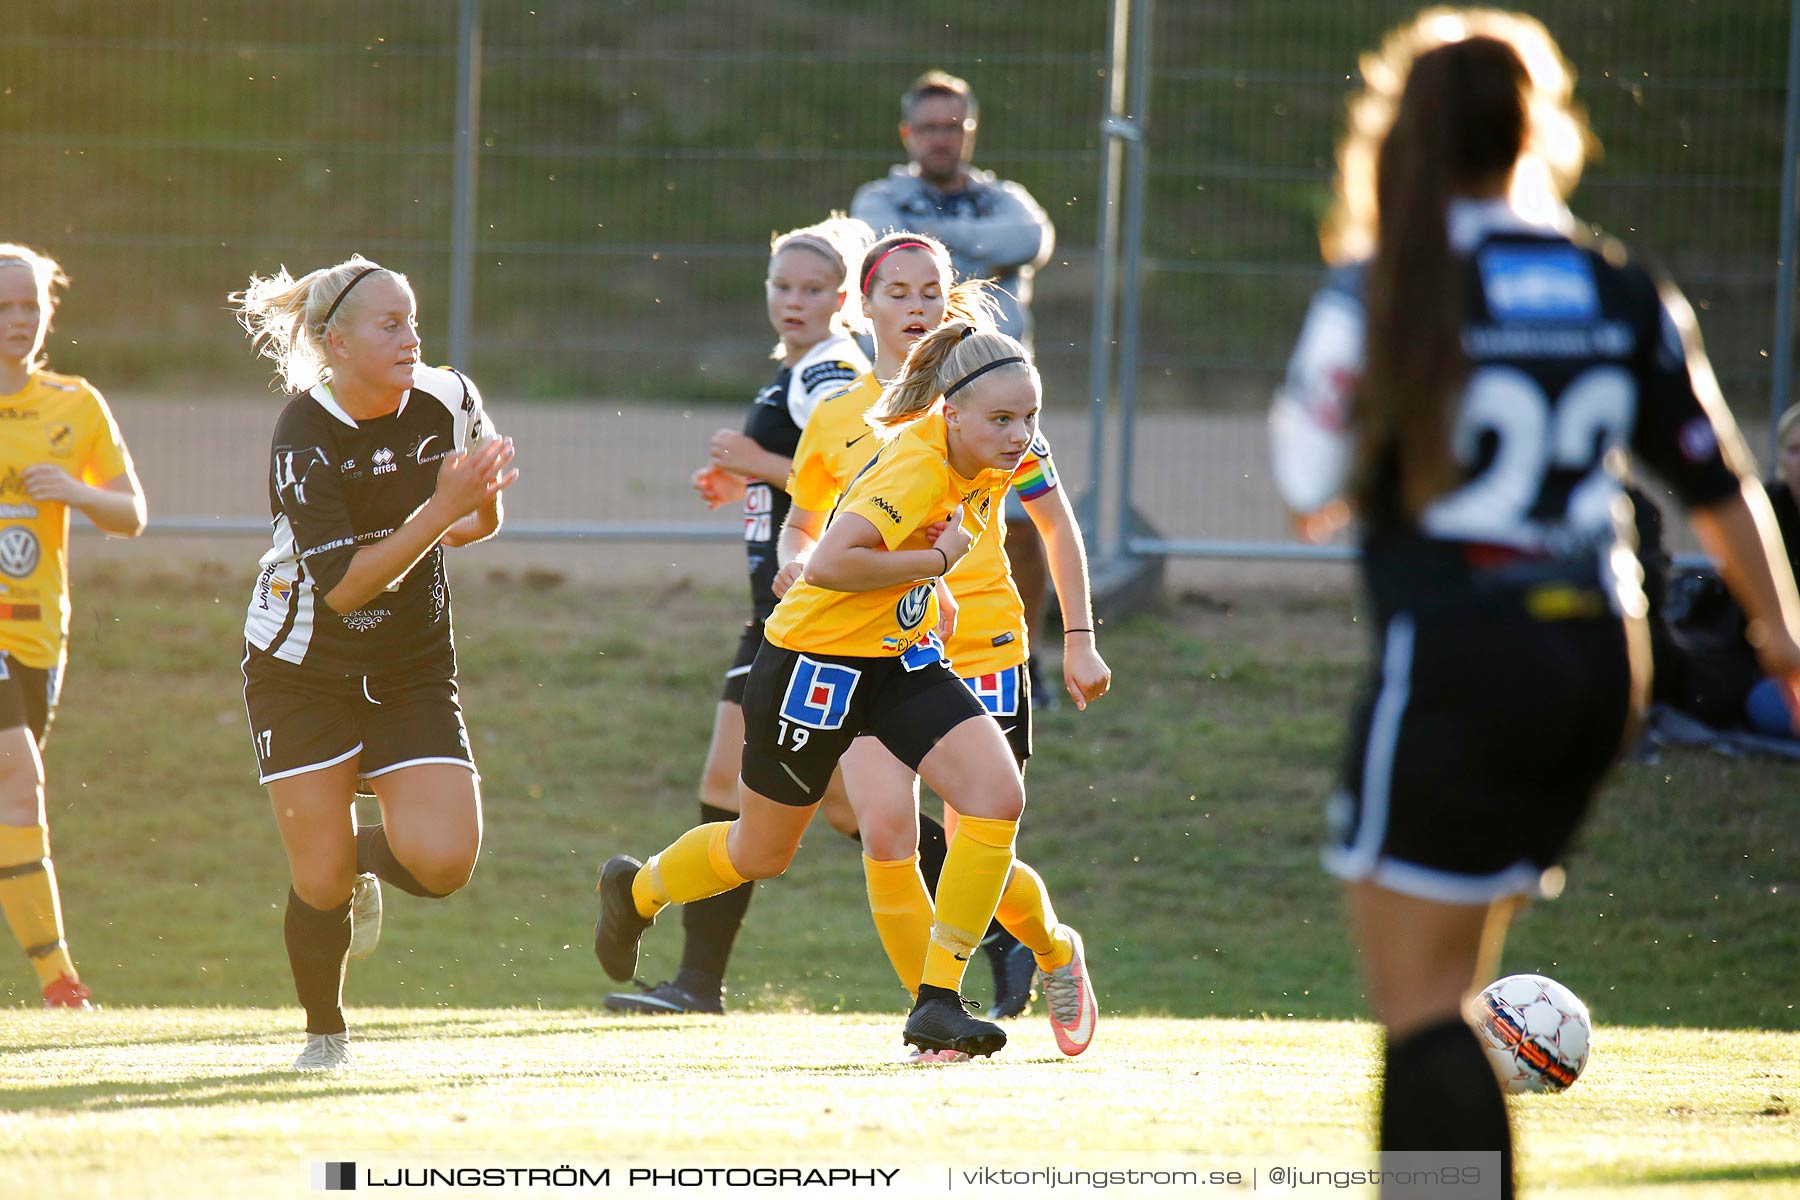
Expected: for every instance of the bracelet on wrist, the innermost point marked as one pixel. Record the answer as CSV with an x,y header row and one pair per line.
x,y
1067,632
946,558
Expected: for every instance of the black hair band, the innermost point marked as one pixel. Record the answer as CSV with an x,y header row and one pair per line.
x,y
354,280
978,372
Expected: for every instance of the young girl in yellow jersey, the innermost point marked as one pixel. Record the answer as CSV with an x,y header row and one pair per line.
x,y
61,451
852,649
905,291
806,289
903,280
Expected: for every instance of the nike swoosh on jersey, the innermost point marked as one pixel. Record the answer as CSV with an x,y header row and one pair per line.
x,y
854,440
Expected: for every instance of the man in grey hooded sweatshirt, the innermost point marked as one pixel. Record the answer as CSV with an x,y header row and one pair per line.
x,y
992,227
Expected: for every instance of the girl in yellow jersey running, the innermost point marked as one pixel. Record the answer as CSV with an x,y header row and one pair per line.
x,y
852,649
904,279
806,289
61,451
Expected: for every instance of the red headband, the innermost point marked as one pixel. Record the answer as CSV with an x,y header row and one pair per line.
x,y
876,265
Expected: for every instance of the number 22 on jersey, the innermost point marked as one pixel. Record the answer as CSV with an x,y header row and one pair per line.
x,y
1535,436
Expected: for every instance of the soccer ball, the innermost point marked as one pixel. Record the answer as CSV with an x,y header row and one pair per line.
x,y
1536,1032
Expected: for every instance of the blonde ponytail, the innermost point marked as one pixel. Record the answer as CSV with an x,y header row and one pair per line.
x,y
972,302
286,317
952,352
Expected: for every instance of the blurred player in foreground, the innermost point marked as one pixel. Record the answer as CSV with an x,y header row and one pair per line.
x,y
1463,382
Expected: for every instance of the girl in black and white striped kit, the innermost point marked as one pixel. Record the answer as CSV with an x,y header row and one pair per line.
x,y
378,463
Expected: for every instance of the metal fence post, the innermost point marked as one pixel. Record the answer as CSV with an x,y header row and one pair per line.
x,y
1106,248
1782,352
1137,153
462,214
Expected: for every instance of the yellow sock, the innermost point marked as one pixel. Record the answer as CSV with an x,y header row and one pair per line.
x,y
975,869
1025,913
696,865
902,910
28,896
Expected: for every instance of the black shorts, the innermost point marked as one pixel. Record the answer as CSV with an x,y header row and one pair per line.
x,y
739,672
28,696
303,720
1476,752
802,711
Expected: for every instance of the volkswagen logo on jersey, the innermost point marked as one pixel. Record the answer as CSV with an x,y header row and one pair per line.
x,y
913,606
18,552
818,693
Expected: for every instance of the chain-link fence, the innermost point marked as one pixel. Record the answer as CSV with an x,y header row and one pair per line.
x,y
634,157
1685,96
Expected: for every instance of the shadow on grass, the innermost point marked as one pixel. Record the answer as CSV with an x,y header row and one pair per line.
x,y
377,1030
120,1096
1741,1173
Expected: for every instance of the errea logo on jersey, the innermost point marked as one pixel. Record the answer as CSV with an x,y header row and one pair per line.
x,y
383,460
892,512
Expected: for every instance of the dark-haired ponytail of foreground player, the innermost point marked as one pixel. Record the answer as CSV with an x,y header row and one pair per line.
x,y
1458,130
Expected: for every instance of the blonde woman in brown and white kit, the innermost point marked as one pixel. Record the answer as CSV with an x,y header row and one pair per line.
x,y
378,463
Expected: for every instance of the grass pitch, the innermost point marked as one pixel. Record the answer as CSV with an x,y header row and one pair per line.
x,y
1176,822
137,1102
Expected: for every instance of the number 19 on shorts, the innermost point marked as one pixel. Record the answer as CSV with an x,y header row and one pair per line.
x,y
818,697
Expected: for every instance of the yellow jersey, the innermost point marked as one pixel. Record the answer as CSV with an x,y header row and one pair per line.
x,y
908,485
834,446
990,617
61,420
990,626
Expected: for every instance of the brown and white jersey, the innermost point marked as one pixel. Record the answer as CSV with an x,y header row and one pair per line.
x,y
337,484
